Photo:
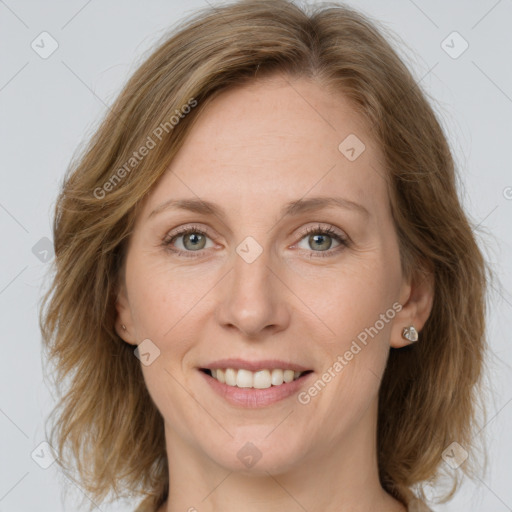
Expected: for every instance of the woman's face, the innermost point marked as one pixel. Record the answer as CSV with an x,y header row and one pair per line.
x,y
263,165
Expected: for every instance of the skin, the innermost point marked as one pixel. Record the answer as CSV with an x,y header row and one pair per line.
x,y
254,149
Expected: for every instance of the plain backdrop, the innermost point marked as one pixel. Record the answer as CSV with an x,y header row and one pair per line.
x,y
51,103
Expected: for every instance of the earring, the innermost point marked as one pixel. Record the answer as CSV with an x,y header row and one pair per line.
x,y
410,333
123,326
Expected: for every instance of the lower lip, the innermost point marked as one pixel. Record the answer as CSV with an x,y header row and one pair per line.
x,y
254,398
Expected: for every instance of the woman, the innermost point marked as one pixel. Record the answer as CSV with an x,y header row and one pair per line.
x,y
267,294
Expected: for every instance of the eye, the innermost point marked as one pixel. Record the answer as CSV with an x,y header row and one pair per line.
x,y
193,239
320,239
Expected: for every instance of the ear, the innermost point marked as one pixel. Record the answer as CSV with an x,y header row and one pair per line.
x,y
416,299
124,316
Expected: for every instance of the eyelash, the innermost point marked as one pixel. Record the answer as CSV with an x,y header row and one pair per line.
x,y
319,230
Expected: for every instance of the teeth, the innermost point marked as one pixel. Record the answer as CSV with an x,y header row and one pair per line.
x,y
277,377
244,379
261,379
288,375
230,376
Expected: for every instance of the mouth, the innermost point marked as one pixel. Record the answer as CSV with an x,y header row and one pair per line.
x,y
261,379
254,383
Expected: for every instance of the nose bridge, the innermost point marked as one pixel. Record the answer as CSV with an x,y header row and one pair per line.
x,y
252,301
251,272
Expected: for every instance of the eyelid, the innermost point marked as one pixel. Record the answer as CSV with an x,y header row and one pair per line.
x,y
327,229
331,231
181,231
185,229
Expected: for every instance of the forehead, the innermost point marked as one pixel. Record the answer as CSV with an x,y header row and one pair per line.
x,y
275,140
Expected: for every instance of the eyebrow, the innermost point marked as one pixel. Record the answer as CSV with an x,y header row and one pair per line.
x,y
296,207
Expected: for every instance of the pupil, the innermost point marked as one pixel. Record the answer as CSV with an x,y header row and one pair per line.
x,y
319,239
193,239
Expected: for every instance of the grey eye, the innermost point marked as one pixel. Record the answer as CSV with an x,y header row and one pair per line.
x,y
318,242
191,241
194,241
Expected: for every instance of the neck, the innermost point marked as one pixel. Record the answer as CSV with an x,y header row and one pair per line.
x,y
343,478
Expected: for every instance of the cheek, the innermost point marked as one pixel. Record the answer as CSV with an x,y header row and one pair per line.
x,y
357,308
361,313
349,299
163,307
162,297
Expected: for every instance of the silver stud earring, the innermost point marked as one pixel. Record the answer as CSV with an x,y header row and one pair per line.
x,y
410,333
123,326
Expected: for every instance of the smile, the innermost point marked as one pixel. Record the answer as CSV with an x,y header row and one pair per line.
x,y
262,379
257,387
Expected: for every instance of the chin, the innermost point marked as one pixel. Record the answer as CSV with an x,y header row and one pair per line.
x,y
255,455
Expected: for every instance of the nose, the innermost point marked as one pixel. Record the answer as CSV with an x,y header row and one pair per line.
x,y
253,300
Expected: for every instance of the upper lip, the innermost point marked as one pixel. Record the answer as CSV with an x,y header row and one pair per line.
x,y
253,366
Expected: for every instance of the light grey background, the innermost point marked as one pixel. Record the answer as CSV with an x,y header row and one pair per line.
x,y
50,105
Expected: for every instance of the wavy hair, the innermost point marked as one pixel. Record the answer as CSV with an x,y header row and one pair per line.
x,y
107,432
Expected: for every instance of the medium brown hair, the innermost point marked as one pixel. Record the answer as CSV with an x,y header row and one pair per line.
x,y
105,422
